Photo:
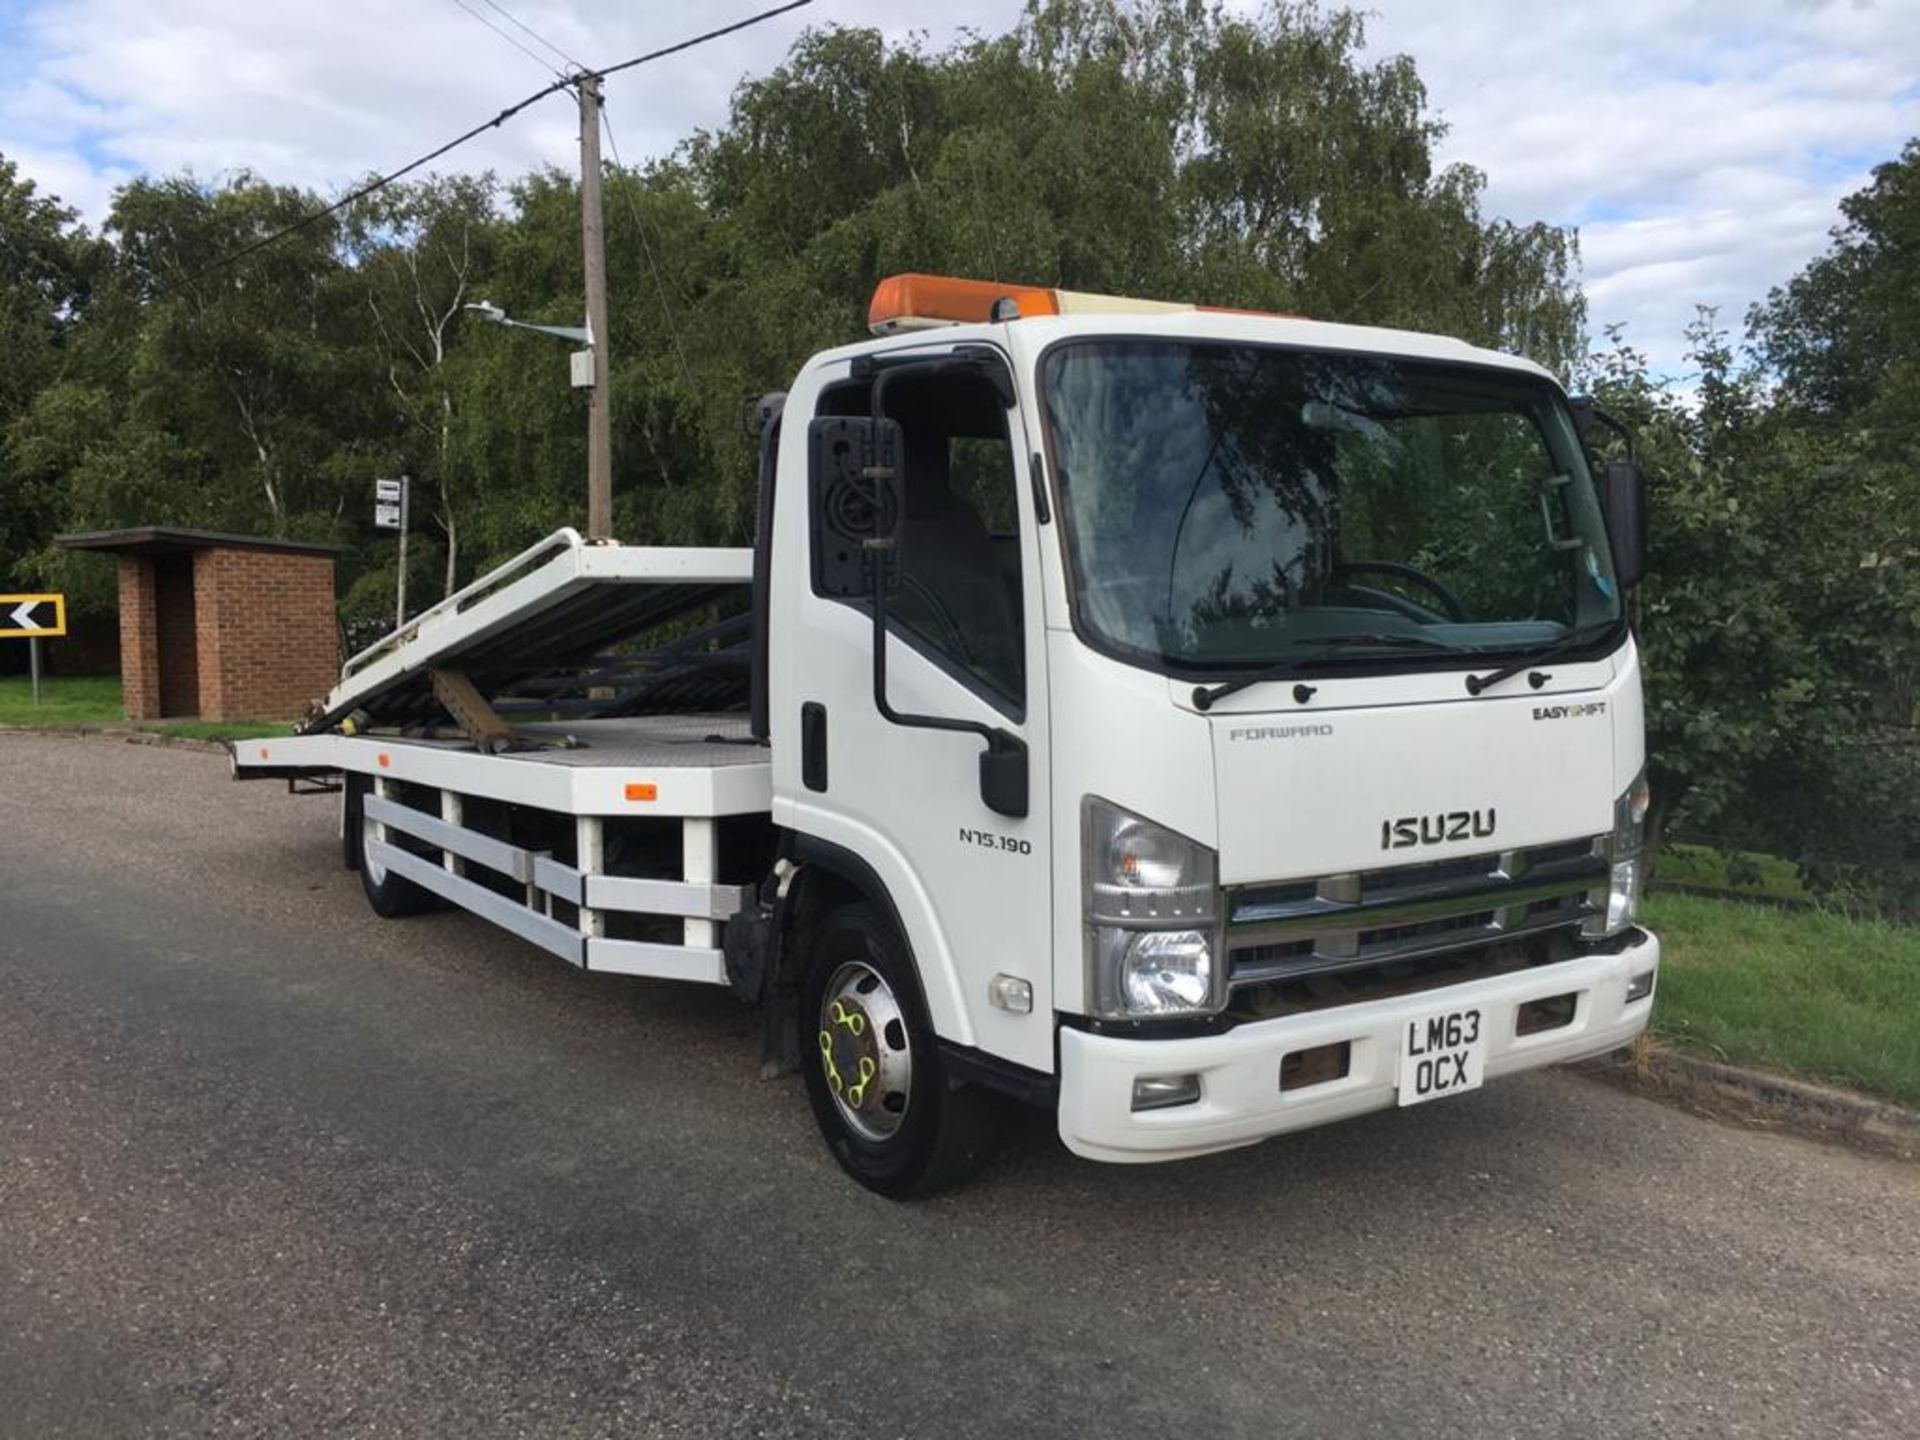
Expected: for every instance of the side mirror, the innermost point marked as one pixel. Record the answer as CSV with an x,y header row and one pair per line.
x,y
854,504
1624,492
1003,775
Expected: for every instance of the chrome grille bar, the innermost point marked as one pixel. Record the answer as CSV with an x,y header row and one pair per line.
x,y
1342,922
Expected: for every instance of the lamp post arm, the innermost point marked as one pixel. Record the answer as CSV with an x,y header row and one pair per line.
x,y
579,334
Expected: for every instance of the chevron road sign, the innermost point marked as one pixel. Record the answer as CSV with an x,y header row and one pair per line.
x,y
26,617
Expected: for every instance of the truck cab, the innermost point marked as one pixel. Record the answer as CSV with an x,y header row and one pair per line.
x,y
1213,724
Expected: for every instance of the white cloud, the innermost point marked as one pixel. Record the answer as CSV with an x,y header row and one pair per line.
x,y
321,94
1699,145
66,175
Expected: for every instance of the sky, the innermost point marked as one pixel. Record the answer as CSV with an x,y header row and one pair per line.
x,y
1700,147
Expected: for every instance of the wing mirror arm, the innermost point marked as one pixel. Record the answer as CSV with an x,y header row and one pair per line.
x,y
1004,786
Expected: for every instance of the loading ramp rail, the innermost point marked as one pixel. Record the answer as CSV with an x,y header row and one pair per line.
x,y
557,606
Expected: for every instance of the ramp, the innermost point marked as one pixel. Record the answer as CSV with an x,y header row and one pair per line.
x,y
556,605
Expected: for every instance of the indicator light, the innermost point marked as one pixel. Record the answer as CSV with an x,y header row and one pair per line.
x,y
1011,993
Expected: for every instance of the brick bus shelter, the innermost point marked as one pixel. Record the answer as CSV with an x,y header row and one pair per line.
x,y
220,627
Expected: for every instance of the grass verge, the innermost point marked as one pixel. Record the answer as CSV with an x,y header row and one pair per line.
x,y
64,700
1742,872
1810,992
70,700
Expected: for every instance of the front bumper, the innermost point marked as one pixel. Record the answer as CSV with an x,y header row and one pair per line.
x,y
1241,1101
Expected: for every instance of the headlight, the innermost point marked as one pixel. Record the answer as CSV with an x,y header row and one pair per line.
x,y
1626,850
1152,910
1167,971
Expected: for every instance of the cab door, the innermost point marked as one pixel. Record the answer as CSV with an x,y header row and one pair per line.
x,y
906,792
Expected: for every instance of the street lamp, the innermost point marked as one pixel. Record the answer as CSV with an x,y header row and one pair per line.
x,y
579,334
586,376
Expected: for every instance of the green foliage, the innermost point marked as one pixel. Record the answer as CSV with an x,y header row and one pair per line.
x,y
1742,874
1158,147
1151,147
1844,334
1781,616
45,272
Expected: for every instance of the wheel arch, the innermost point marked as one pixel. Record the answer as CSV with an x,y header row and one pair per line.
x,y
831,875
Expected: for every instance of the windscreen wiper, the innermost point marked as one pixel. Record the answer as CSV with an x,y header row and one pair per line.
x,y
1204,696
1573,640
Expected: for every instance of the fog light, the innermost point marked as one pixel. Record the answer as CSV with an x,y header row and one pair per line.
x,y
1010,992
1317,1066
1640,986
1556,1012
1163,1092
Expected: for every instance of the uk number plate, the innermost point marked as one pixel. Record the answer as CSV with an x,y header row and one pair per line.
x,y
1442,1054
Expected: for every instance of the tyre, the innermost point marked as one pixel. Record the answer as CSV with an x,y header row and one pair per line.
x,y
390,895
873,1069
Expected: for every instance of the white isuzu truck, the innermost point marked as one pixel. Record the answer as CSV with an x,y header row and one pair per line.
x,y
1201,724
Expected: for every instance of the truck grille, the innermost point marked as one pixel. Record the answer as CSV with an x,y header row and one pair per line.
x,y
1292,929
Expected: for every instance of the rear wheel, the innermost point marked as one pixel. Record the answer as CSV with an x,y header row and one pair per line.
x,y
873,1070
390,895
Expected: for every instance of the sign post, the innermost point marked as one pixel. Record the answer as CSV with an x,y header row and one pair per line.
x,y
390,513
33,618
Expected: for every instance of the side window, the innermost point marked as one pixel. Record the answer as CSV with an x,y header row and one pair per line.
x,y
982,471
959,544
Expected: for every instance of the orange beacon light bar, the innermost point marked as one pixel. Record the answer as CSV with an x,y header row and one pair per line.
x,y
921,302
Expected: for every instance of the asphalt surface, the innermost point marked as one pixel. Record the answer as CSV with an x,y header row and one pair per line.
x,y
271,1166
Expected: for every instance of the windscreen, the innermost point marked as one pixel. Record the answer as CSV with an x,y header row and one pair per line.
x,y
1233,506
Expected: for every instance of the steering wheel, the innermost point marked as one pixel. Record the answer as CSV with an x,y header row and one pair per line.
x,y
1450,604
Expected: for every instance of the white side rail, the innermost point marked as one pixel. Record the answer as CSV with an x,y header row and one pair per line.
x,y
578,934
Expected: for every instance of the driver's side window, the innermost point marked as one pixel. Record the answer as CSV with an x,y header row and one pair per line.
x,y
959,596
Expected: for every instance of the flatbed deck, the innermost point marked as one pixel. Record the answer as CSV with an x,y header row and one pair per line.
x,y
664,765
645,740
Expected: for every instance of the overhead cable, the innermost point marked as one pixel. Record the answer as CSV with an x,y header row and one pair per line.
x,y
539,60
531,33
254,247
646,249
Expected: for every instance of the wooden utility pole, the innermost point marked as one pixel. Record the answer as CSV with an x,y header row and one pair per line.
x,y
593,240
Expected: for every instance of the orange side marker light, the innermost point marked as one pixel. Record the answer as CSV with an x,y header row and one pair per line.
x,y
643,790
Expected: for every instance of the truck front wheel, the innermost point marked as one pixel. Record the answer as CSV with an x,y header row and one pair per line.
x,y
884,1102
